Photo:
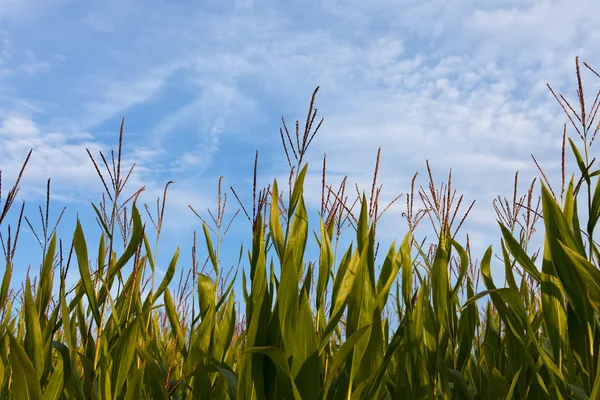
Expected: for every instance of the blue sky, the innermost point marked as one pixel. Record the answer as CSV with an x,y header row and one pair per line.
x,y
202,85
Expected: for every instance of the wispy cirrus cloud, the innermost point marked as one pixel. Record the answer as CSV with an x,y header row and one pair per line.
x,y
461,83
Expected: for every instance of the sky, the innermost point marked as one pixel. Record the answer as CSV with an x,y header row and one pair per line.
x,y
203,85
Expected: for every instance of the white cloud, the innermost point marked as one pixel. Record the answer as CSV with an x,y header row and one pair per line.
x,y
18,127
116,97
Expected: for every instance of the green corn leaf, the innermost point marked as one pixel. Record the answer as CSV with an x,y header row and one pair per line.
x,y
325,264
33,336
206,301
305,367
466,330
287,292
245,293
580,163
419,342
595,209
80,246
553,306
460,384
297,191
26,385
508,267
306,286
374,386
340,358
102,385
297,238
571,215
595,392
387,276
5,284
362,311
589,273
54,388
498,385
71,380
168,275
135,239
102,222
569,201
440,281
101,257
124,352
464,267
258,314
224,330
135,385
283,370
149,253
514,312
576,393
513,385
46,278
174,321
513,299
519,254
153,376
211,251
344,282
362,230
3,369
557,229
344,279
228,290
407,270
275,223
227,374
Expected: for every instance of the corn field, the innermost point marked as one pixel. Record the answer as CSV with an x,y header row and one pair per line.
x,y
427,322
